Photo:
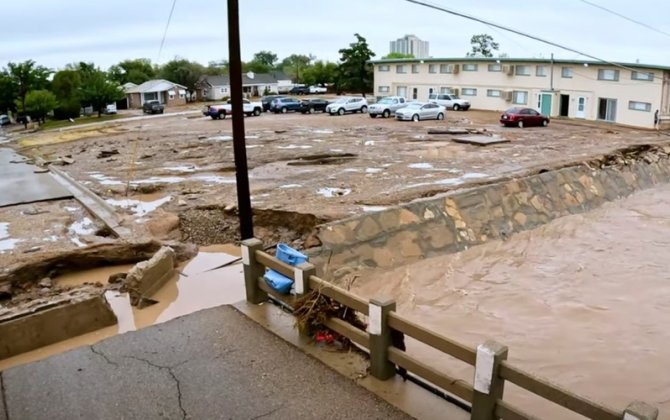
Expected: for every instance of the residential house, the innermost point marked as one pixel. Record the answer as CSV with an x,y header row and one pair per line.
x,y
164,91
622,93
213,88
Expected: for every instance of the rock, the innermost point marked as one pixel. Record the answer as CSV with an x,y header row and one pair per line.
x,y
230,208
45,290
5,291
312,241
162,225
67,160
147,277
107,153
117,278
182,203
33,249
146,156
46,282
202,137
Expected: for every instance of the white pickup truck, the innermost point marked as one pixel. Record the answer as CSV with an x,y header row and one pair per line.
x,y
449,101
223,110
386,106
317,89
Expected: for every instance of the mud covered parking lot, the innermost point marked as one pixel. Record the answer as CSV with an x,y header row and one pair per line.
x,y
304,169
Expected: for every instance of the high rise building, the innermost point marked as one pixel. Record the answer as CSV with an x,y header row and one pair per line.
x,y
410,44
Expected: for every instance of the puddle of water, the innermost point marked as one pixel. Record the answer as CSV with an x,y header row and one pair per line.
x,y
369,143
94,275
295,146
84,227
159,180
422,165
75,240
334,192
337,150
181,168
105,180
72,209
253,146
220,138
322,131
215,179
137,207
290,186
371,209
373,170
474,175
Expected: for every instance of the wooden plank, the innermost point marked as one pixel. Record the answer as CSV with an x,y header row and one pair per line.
x,y
459,351
354,334
557,394
269,261
506,411
345,297
453,386
480,140
289,300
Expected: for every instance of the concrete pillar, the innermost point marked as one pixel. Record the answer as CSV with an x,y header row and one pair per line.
x,y
252,270
303,272
488,386
380,338
638,410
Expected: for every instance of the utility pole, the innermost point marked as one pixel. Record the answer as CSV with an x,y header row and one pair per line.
x,y
239,146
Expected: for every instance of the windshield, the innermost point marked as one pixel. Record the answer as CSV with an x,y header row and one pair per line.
x,y
386,101
414,105
340,101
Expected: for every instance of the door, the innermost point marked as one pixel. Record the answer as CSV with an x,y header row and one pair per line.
x,y
565,105
401,91
580,112
545,105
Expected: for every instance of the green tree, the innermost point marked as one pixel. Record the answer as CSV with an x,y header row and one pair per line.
x,y
183,72
295,64
38,103
320,73
263,62
97,91
483,45
27,76
355,71
66,85
8,92
135,71
395,55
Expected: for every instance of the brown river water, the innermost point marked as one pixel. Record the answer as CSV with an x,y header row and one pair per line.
x,y
583,301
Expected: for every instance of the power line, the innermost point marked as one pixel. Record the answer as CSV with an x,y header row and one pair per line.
x,y
167,25
515,31
637,22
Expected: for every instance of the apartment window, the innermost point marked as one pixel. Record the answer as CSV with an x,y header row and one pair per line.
x,y
401,91
415,93
470,67
522,70
383,89
444,90
495,67
639,106
444,68
607,109
432,68
520,97
608,74
384,67
469,92
541,71
494,93
642,75
566,72
400,68
415,68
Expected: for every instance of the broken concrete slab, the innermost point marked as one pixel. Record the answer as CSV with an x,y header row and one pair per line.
x,y
449,131
147,277
41,322
480,140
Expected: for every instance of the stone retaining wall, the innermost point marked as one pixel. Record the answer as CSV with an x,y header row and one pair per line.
x,y
460,219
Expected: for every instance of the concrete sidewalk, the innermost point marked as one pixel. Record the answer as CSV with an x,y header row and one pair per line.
x,y
214,364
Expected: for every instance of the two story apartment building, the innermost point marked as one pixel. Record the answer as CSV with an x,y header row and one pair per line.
x,y
627,94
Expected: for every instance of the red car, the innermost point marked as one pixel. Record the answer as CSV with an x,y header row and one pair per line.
x,y
523,117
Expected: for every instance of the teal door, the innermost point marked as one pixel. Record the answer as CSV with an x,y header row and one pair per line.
x,y
545,104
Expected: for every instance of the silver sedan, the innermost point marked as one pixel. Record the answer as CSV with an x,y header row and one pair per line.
x,y
417,111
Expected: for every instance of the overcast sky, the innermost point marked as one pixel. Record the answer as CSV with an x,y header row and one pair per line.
x,y
55,33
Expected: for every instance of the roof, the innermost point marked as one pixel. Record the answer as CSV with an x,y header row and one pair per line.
x,y
158,85
515,60
247,79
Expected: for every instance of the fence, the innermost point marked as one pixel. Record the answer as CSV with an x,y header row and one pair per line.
x,y
492,370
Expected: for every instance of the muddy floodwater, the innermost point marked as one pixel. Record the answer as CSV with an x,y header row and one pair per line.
x,y
583,301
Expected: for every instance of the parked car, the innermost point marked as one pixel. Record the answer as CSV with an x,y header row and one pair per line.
x,y
449,101
317,89
387,106
4,120
110,109
417,111
221,111
347,104
266,101
523,117
299,90
285,105
313,105
152,107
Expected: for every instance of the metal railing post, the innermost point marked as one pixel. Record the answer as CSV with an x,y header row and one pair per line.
x,y
252,270
639,410
488,385
380,338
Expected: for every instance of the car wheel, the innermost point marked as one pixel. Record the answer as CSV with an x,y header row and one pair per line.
x,y
457,107
415,117
545,123
386,113
284,110
311,110
340,111
257,112
364,109
520,124
440,116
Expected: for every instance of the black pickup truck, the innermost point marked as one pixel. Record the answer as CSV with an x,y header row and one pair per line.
x,y
152,107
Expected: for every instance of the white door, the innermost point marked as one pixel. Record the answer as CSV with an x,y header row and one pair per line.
x,y
581,107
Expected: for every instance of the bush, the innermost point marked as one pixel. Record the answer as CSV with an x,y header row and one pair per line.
x,y
67,109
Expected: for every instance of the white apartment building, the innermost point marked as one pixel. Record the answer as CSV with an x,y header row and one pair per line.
x,y
624,93
410,44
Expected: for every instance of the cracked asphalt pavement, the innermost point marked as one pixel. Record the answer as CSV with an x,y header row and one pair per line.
x,y
214,364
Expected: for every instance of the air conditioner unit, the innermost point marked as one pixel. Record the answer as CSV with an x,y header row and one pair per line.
x,y
509,95
455,68
509,70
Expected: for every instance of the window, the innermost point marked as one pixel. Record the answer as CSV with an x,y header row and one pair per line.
x,y
642,75
494,93
401,91
415,68
415,93
182,93
495,67
520,97
639,106
608,74
384,67
541,71
171,94
566,72
444,68
432,68
607,109
444,90
469,92
522,70
400,68
383,89
150,96
470,67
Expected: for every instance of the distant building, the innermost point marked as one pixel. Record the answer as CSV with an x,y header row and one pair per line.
x,y
410,44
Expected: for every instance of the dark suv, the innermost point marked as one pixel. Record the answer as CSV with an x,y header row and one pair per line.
x,y
299,90
313,105
267,101
152,107
284,105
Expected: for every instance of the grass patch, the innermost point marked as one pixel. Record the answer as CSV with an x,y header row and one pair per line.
x,y
53,124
